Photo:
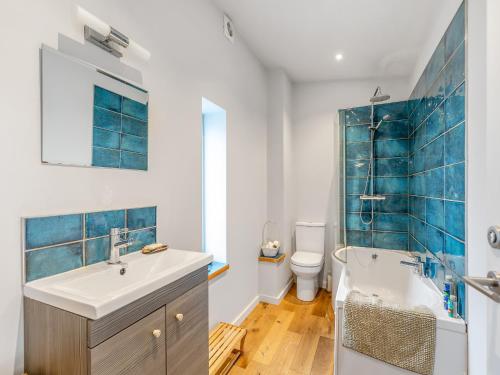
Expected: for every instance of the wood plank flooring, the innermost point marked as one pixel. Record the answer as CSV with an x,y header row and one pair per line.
x,y
292,338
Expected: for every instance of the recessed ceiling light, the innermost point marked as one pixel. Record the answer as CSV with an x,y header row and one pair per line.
x,y
339,57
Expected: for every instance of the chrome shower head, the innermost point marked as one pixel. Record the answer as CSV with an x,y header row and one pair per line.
x,y
378,96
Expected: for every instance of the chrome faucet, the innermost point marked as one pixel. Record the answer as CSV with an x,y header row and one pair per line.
x,y
417,264
118,240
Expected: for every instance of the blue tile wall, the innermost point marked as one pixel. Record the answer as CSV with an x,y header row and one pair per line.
x,y
56,244
390,224
420,166
440,231
120,131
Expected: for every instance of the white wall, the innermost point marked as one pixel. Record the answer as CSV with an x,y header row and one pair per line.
x,y
315,144
280,187
435,32
190,59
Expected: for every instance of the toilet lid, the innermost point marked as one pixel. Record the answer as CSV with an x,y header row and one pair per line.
x,y
307,259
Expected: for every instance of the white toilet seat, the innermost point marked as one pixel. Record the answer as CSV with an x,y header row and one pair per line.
x,y
307,259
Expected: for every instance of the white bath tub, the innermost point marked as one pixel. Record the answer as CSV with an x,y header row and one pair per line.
x,y
394,283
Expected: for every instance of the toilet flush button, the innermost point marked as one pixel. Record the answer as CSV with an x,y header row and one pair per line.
x,y
494,236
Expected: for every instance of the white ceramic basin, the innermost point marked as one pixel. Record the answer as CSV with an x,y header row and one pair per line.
x,y
100,289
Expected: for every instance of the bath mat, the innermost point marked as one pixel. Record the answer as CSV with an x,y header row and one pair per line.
x,y
401,336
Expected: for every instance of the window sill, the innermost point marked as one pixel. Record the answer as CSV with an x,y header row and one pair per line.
x,y
216,268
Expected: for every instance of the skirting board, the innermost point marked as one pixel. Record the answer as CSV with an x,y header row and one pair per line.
x,y
246,311
276,300
262,298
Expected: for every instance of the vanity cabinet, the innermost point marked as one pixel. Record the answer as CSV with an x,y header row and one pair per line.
x,y
164,332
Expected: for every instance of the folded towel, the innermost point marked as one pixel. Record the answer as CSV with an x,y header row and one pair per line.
x,y
403,337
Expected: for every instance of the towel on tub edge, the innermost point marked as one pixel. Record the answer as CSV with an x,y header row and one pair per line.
x,y
404,337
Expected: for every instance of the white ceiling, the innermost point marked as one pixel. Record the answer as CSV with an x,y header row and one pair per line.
x,y
378,38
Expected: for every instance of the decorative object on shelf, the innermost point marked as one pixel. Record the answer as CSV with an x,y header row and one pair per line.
x,y
269,248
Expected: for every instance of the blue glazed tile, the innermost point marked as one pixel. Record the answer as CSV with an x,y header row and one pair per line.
x,y
132,160
435,241
455,182
140,239
434,183
52,230
353,222
393,204
455,107
356,168
436,94
455,145
435,64
391,167
357,133
395,110
455,264
454,219
106,139
434,154
100,223
106,119
456,32
419,184
420,231
353,204
455,70
391,185
390,240
97,250
461,302
103,157
359,238
419,161
106,99
133,126
435,124
392,130
141,217
420,136
421,112
417,207
415,246
356,151
356,186
435,212
391,148
356,116
454,247
53,260
135,109
134,144
391,222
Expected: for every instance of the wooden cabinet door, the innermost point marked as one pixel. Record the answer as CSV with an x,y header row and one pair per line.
x,y
138,349
187,333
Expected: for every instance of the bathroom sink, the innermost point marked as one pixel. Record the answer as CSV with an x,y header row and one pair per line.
x,y
99,289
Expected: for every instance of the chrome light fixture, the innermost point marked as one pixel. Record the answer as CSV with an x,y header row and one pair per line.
x,y
108,38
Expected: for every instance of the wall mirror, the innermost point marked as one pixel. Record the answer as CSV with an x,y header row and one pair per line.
x,y
89,117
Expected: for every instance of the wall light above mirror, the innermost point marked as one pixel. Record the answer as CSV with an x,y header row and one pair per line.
x,y
89,117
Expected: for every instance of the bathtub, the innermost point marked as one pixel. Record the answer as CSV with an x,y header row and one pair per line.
x,y
377,271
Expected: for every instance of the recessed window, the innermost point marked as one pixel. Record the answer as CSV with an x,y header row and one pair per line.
x,y
214,180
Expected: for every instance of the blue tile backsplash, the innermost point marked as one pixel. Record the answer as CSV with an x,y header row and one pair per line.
x,y
56,244
420,165
120,131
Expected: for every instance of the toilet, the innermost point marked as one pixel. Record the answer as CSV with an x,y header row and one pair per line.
x,y
307,261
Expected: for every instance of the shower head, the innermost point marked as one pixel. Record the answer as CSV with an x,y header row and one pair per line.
x,y
385,118
378,96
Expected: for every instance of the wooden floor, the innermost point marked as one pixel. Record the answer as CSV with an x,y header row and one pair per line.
x,y
293,338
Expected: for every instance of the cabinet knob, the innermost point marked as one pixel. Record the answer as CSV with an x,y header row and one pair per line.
x,y
179,317
157,333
